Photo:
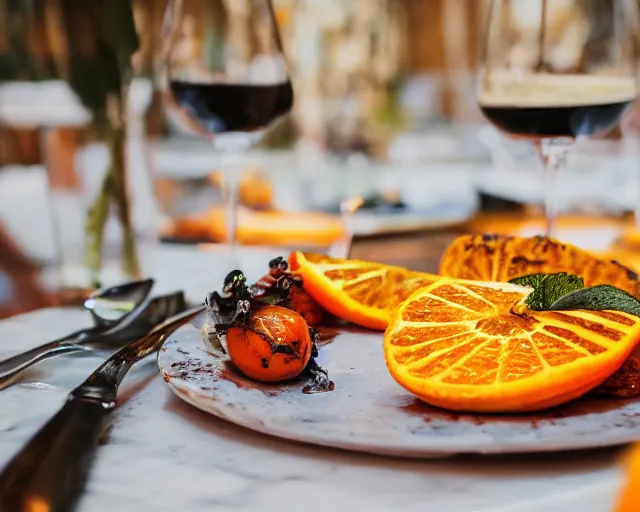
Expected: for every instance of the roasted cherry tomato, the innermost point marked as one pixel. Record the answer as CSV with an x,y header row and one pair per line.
x,y
273,345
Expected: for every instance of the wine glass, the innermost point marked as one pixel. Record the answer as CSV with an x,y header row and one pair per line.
x,y
554,71
228,78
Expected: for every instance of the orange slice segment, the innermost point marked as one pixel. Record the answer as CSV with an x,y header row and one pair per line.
x,y
629,500
475,346
502,258
360,292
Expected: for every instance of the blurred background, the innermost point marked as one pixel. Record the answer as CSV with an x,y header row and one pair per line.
x,y
385,110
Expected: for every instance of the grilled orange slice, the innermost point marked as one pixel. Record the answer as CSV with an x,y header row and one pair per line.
x,y
360,292
502,258
475,346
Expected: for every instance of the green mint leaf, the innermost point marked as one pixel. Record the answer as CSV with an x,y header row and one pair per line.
x,y
599,298
548,288
533,280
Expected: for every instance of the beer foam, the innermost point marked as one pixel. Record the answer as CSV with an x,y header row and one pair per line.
x,y
548,90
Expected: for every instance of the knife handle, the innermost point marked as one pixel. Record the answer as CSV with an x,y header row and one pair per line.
x,y
49,472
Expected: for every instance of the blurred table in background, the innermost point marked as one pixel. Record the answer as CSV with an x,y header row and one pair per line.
x,y
609,237
447,178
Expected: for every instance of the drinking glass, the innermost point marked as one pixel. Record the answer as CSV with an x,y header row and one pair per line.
x,y
554,71
227,78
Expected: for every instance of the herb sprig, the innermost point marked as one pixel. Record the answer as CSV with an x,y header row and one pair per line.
x,y
563,292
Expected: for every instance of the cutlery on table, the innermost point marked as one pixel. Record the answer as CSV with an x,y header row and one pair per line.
x,y
137,323
107,307
49,473
111,305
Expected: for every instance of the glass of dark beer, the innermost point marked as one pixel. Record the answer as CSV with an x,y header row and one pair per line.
x,y
554,71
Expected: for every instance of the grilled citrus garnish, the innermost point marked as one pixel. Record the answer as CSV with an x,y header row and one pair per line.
x,y
502,258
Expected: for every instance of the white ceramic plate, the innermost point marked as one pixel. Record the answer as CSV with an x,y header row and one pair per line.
x,y
369,412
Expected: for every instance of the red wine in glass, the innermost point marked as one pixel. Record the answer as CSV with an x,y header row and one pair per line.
x,y
228,78
222,108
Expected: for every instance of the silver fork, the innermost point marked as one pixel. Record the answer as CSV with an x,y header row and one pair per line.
x,y
51,470
131,327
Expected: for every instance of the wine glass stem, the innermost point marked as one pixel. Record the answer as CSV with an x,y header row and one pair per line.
x,y
342,248
232,188
232,150
553,153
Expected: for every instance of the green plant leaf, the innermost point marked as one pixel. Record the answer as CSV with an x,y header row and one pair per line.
x,y
598,298
118,28
101,38
548,288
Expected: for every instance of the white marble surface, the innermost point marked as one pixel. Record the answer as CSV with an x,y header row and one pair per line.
x,y
162,454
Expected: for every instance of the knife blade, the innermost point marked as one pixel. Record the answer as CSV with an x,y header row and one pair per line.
x,y
50,472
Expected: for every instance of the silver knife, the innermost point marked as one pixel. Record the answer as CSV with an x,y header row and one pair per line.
x,y
50,472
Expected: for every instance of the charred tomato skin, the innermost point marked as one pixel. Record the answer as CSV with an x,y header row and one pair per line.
x,y
273,345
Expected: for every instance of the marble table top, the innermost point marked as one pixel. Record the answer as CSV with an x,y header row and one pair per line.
x,y
162,454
